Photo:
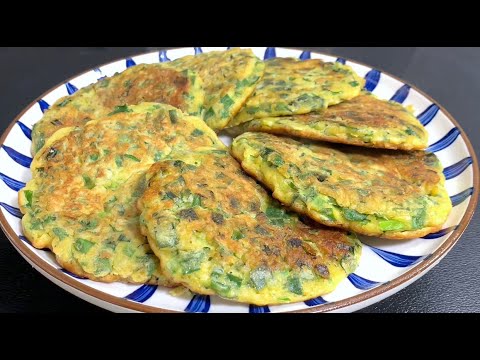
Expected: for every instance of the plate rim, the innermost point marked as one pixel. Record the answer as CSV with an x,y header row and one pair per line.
x,y
418,270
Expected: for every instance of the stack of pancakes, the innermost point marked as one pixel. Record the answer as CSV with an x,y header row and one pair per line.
x,y
131,183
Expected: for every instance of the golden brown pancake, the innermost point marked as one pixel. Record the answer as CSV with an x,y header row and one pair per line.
x,y
364,120
391,194
216,231
229,77
81,201
140,83
291,86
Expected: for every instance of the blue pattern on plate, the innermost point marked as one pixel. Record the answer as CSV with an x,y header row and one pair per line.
x,y
17,157
371,79
72,274
362,283
12,183
25,129
24,239
269,53
460,197
162,56
446,141
254,309
398,260
198,50
456,169
43,105
440,233
305,55
129,62
199,303
341,60
316,301
401,94
12,210
71,89
428,114
98,70
143,293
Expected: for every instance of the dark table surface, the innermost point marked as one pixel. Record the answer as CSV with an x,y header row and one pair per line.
x,y
450,75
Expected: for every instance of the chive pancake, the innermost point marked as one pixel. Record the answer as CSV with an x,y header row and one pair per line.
x,y
364,120
81,201
229,78
216,231
385,193
291,86
140,83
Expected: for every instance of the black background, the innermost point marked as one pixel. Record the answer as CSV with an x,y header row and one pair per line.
x,y
450,75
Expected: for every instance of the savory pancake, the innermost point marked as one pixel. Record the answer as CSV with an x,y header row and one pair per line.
x,y
81,201
229,77
291,86
140,83
364,120
216,231
391,194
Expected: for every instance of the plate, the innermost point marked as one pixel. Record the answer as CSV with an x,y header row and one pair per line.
x,y
385,266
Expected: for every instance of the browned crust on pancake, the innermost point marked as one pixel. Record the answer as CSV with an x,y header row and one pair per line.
x,y
155,82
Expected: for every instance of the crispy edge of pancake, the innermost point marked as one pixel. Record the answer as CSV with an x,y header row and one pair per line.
x,y
243,98
42,242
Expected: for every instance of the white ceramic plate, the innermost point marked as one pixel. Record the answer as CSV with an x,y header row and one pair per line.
x,y
385,266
